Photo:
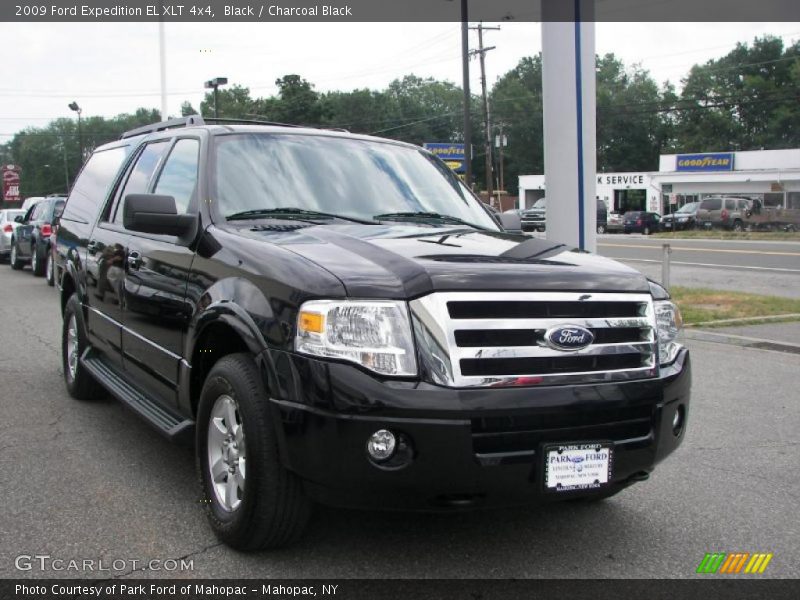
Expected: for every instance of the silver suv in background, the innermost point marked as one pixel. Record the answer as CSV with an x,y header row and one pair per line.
x,y
724,212
8,225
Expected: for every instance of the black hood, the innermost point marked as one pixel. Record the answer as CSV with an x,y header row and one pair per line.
x,y
407,261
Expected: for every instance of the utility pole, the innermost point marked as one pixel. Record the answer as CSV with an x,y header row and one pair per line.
x,y
481,52
467,95
500,142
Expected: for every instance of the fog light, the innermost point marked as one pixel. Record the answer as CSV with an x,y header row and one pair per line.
x,y
381,445
677,421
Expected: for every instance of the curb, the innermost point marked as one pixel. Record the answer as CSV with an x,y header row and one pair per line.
x,y
745,320
741,340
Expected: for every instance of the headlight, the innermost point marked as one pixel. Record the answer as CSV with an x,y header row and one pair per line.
x,y
373,333
668,324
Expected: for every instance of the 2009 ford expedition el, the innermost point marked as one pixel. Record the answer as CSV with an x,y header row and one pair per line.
x,y
336,318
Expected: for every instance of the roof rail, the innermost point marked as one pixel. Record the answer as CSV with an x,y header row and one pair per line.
x,y
223,121
171,123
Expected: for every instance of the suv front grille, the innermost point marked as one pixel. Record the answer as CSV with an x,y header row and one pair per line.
x,y
493,339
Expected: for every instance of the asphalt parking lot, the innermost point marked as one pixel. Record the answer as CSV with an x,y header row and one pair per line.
x,y
90,481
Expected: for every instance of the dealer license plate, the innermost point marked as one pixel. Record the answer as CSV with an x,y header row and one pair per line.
x,y
578,466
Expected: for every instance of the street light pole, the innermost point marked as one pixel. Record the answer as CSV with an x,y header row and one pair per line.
x,y
73,106
214,84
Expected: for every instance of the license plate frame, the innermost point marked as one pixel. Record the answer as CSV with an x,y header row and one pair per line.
x,y
557,478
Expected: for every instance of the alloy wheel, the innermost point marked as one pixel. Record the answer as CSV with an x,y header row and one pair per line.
x,y
227,455
72,347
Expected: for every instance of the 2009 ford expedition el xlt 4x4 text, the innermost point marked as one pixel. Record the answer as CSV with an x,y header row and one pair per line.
x,y
336,318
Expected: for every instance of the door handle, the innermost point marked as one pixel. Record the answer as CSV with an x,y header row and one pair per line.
x,y
134,260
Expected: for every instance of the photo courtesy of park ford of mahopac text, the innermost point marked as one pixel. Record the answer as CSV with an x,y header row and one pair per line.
x,y
432,299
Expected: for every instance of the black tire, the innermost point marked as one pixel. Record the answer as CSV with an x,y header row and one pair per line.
x,y
50,270
37,264
737,225
273,509
80,385
601,229
13,258
646,230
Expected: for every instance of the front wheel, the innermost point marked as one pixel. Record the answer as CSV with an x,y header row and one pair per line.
x,y
251,500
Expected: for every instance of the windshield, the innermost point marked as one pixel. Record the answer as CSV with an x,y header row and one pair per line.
x,y
357,179
541,203
688,208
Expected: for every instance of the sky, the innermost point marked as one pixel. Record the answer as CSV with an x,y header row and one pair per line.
x,y
111,68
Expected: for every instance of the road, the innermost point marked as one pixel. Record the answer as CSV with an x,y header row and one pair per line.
x,y
750,266
88,480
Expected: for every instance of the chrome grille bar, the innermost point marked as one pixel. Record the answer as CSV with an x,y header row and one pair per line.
x,y
441,355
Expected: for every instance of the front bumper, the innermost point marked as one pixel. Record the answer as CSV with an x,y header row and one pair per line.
x,y
467,447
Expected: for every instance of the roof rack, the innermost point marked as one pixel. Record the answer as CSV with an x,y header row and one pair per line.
x,y
171,123
222,121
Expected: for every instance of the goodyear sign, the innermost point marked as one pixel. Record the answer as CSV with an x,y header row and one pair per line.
x,y
719,161
451,154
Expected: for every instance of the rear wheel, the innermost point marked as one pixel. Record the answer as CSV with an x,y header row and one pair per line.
x,y
49,273
80,384
737,225
601,229
646,230
14,259
252,501
37,264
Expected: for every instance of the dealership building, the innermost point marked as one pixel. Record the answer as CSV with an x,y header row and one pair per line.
x,y
773,176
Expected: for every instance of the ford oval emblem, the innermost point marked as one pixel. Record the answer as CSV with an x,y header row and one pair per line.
x,y
568,337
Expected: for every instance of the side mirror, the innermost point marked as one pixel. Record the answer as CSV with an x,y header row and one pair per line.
x,y
510,221
154,213
19,219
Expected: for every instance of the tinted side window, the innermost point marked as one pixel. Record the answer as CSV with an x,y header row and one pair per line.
x,y
91,187
729,204
138,181
178,178
712,204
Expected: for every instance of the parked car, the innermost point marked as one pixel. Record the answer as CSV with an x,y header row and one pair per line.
x,y
535,218
7,226
615,223
30,242
329,317
639,221
727,213
683,218
602,216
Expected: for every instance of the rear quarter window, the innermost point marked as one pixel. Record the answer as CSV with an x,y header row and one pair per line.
x,y
712,204
93,184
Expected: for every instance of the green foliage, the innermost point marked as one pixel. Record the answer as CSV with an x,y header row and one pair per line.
x,y
746,100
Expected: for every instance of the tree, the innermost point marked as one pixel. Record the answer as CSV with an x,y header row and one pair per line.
x,y
234,103
516,102
747,99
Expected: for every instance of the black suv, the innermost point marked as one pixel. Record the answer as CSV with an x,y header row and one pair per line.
x,y
335,318
30,242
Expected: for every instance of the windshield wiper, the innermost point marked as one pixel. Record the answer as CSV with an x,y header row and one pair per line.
x,y
293,213
400,216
